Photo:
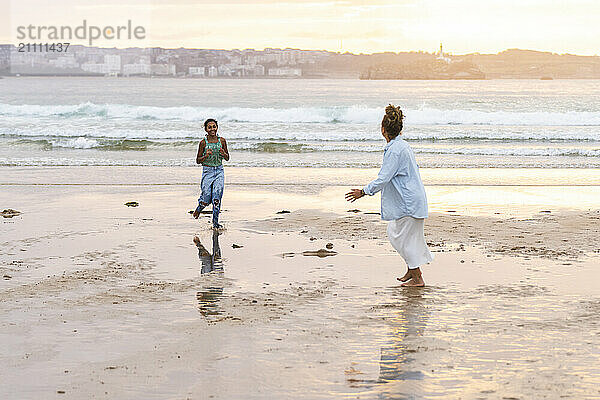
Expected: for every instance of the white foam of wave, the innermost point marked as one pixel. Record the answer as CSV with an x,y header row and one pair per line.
x,y
320,132
502,118
512,151
75,143
351,115
560,150
69,161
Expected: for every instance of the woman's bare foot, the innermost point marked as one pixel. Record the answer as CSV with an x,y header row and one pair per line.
x,y
416,279
406,277
413,283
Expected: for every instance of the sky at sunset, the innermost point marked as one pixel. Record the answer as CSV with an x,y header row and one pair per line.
x,y
464,26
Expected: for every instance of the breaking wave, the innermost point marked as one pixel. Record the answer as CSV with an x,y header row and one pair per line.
x,y
328,115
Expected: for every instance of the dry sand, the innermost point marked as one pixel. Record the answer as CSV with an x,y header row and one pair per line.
x,y
99,300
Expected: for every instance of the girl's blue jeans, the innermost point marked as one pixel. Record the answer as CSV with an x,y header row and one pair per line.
x,y
213,182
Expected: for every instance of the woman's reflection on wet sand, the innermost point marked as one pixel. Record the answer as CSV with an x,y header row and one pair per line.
x,y
208,297
396,368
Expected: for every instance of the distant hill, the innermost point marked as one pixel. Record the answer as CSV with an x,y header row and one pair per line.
x,y
509,64
515,63
425,70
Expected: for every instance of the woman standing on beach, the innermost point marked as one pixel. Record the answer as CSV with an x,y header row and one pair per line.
x,y
211,152
403,200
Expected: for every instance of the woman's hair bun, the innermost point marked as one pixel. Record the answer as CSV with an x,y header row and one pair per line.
x,y
394,113
392,121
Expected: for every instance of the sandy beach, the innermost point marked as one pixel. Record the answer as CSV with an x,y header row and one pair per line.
x,y
101,300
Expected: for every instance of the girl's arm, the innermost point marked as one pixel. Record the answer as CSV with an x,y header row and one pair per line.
x,y
200,157
224,152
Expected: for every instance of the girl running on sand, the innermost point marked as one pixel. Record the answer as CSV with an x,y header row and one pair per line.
x,y
403,200
211,152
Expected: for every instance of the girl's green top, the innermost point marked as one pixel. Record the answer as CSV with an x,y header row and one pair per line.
x,y
215,159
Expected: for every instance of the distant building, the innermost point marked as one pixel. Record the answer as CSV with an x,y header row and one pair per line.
x,y
235,60
113,62
163,69
111,65
95,68
196,71
251,60
258,70
285,72
212,72
442,57
224,70
137,69
5,55
65,61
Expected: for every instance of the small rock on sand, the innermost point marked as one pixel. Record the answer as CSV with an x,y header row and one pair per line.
x,y
132,204
320,253
9,213
236,246
283,212
329,246
354,210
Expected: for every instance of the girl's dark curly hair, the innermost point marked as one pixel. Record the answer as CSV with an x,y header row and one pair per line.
x,y
210,120
392,121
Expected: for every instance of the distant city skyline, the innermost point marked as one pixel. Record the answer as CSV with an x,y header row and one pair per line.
x,y
465,26
292,63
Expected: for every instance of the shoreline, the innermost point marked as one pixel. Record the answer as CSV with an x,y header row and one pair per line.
x,y
178,175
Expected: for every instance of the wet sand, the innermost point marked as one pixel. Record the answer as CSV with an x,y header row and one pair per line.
x,y
100,300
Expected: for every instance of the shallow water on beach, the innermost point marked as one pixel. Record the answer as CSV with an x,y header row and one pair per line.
x,y
117,297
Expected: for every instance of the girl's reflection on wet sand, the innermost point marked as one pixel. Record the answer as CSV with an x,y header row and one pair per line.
x,y
208,297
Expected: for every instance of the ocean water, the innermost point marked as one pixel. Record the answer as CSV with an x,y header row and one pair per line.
x,y
287,123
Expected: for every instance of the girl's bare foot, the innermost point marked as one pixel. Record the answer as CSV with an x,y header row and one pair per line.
x,y
198,209
416,279
406,277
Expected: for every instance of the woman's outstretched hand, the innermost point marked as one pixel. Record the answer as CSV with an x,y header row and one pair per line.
x,y
354,195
